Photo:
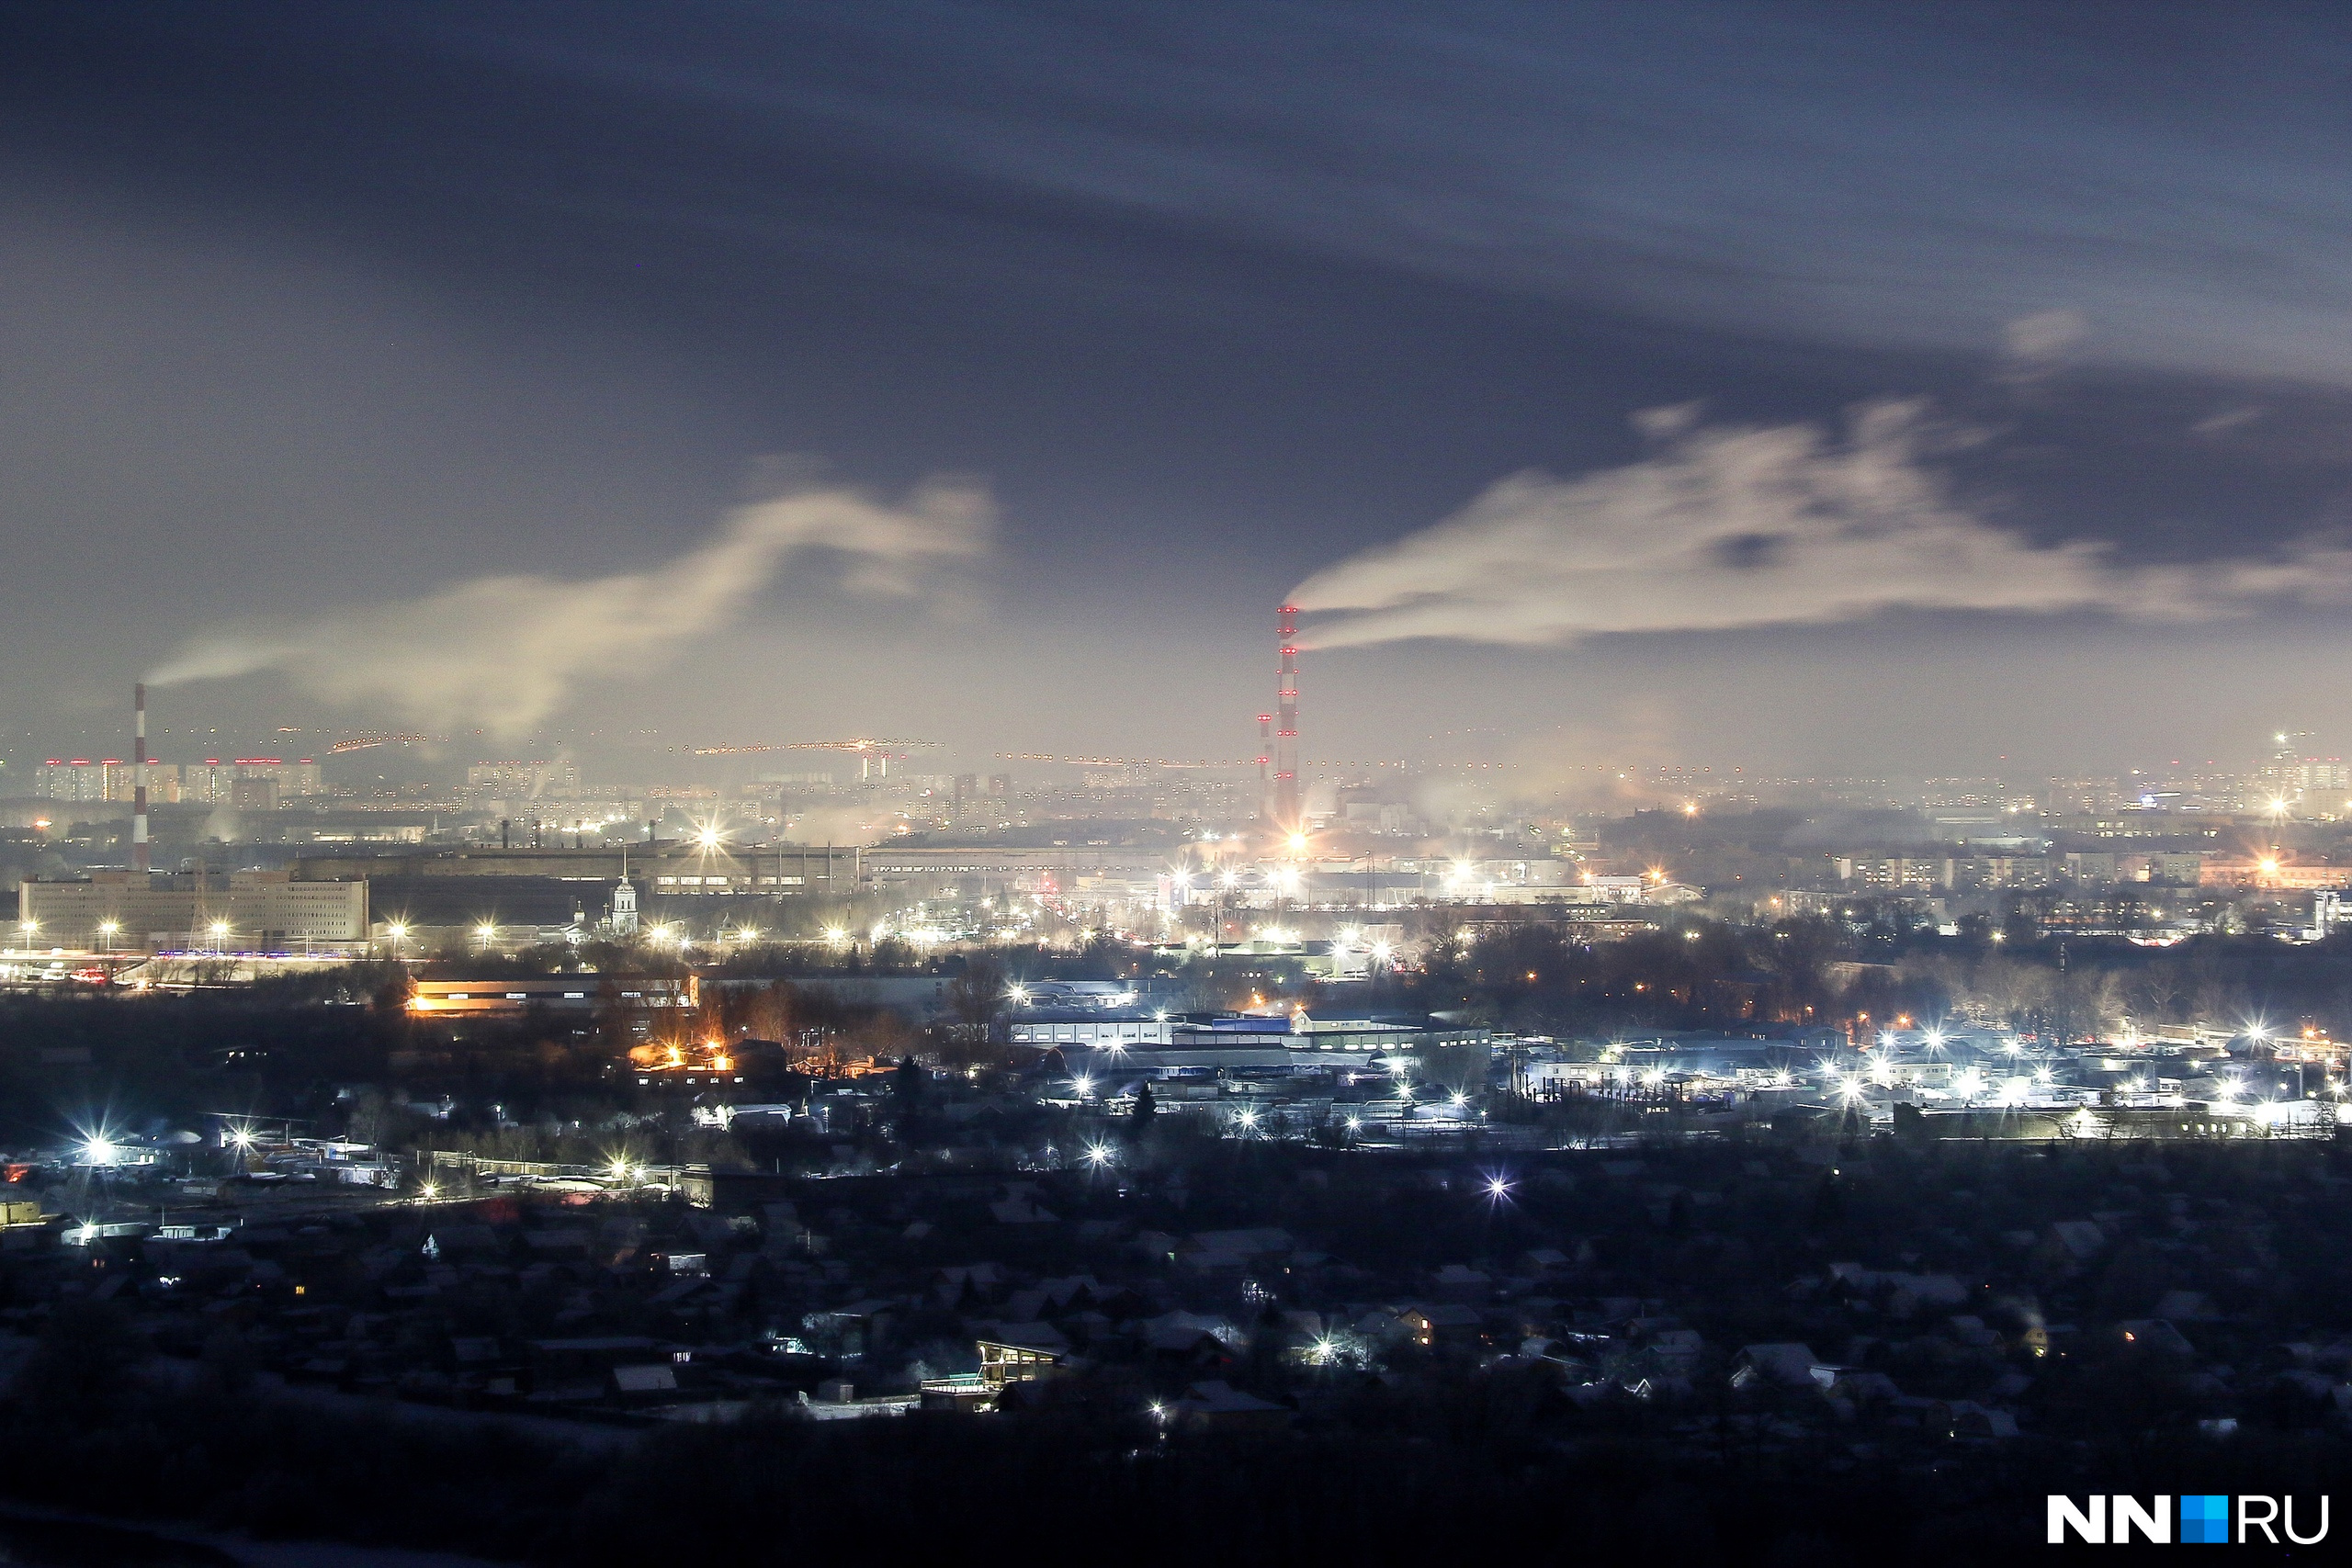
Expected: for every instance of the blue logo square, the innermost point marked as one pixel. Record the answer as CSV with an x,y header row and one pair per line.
x,y
2205,1521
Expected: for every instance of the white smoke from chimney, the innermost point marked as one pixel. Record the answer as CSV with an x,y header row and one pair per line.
x,y
1726,527
506,651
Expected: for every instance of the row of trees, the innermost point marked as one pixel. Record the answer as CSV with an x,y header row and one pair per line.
x,y
1815,970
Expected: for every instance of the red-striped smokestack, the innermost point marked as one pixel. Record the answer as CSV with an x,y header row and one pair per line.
x,y
138,777
1286,813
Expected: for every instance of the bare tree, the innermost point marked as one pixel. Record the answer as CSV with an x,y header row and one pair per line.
x,y
2157,990
976,998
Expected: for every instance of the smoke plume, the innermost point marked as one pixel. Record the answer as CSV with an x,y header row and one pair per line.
x,y
506,651
1724,527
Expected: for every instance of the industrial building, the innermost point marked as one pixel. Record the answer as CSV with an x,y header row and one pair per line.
x,y
510,997
662,868
245,911
1151,1045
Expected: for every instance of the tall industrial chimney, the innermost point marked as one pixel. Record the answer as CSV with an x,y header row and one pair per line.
x,y
138,777
1286,813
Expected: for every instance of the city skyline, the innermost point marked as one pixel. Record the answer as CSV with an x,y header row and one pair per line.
x,y
1271,784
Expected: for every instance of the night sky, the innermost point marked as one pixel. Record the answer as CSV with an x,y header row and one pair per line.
x,y
1871,390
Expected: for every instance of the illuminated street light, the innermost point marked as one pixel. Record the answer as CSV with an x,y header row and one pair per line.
x,y
107,929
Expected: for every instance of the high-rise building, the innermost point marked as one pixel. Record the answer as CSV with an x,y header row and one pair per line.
x,y
257,910
77,778
162,783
